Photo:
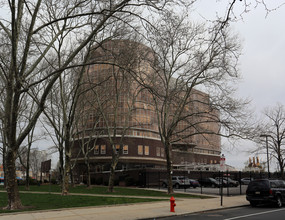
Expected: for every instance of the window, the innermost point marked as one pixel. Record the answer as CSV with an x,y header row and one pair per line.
x,y
103,149
96,149
158,151
117,148
162,152
146,150
140,150
125,149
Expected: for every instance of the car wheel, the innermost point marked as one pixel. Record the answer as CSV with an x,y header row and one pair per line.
x,y
213,185
279,202
253,203
164,185
177,186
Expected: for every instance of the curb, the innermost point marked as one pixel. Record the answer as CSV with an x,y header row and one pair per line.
x,y
190,213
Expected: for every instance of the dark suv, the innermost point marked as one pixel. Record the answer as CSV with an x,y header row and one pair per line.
x,y
266,191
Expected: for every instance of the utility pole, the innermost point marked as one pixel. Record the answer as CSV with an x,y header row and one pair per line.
x,y
266,140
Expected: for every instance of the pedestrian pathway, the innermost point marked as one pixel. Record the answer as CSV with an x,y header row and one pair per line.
x,y
151,210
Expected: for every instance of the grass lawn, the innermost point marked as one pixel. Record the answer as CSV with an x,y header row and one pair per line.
x,y
51,201
34,201
103,190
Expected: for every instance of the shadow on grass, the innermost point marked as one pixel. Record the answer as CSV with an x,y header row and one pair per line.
x,y
126,191
51,201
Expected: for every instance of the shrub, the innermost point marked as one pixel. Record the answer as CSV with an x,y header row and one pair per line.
x,y
116,182
106,183
53,181
129,181
99,181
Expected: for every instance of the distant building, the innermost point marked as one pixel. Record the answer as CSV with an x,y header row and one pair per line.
x,y
142,145
254,165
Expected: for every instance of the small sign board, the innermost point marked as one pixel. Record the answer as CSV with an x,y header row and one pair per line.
x,y
45,166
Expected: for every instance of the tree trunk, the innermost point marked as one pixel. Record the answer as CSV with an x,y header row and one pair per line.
x,y
14,201
282,172
115,160
4,165
281,169
67,169
61,165
88,172
112,177
72,178
169,168
66,177
28,171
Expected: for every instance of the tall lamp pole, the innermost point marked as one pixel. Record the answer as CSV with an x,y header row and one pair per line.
x,y
266,139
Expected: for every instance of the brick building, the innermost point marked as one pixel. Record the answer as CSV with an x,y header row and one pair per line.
x,y
114,103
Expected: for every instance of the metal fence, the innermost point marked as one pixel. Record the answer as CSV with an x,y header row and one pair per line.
x,y
153,178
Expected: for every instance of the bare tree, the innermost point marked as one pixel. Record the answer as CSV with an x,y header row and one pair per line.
x,y
85,134
61,117
33,136
24,157
36,158
115,97
190,58
270,133
27,57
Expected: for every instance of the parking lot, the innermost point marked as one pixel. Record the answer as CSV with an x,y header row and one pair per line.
x,y
227,191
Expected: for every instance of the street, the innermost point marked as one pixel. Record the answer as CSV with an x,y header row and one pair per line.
x,y
247,212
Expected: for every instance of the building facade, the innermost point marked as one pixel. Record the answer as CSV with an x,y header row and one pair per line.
x,y
117,111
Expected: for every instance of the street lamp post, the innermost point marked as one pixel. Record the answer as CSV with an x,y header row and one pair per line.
x,y
266,139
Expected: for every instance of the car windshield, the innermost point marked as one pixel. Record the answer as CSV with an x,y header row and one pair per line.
x,y
261,184
281,183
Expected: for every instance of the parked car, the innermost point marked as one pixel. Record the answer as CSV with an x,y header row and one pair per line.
x,y
177,182
228,181
220,179
245,181
194,183
266,191
209,182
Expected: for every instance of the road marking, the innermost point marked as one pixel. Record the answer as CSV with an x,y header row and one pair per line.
x,y
260,213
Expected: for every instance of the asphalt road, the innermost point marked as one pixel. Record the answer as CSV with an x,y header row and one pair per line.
x,y
244,213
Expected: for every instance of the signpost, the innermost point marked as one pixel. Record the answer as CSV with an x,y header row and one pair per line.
x,y
45,167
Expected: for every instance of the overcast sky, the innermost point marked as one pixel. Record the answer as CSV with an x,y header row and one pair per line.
x,y
262,64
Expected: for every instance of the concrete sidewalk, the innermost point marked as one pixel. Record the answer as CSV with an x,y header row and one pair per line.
x,y
132,211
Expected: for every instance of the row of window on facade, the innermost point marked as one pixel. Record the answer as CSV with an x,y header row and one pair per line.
x,y
204,151
205,161
136,133
142,150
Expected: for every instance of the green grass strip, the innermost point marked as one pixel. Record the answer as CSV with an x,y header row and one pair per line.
x,y
33,201
126,191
